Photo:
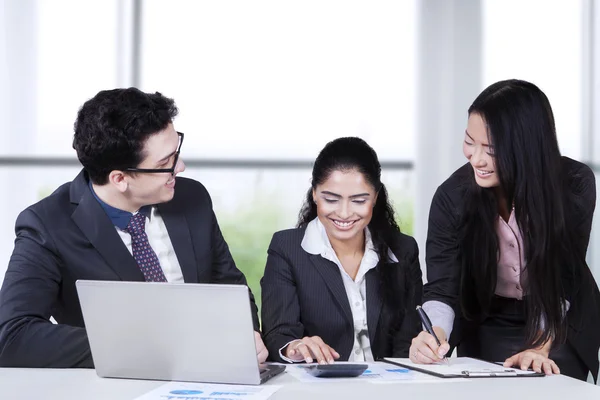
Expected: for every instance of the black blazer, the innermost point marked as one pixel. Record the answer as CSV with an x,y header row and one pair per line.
x,y
443,257
304,295
68,236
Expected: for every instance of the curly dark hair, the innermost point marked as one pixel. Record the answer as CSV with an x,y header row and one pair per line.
x,y
113,126
348,153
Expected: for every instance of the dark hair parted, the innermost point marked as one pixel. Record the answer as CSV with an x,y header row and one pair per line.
x,y
113,126
354,154
520,127
346,154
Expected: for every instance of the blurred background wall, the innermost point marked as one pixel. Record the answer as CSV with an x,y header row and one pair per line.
x,y
263,85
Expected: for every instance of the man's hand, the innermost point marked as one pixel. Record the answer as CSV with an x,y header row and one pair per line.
x,y
261,351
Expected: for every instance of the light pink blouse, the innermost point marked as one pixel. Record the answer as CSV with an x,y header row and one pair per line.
x,y
511,263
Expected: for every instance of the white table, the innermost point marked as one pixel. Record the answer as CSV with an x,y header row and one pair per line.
x,y
82,384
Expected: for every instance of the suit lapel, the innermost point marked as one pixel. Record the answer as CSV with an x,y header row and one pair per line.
x,y
99,230
374,301
181,239
333,279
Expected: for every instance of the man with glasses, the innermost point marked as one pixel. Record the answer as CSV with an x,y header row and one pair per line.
x,y
124,217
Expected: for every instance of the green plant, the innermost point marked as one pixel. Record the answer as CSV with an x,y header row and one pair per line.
x,y
405,215
249,241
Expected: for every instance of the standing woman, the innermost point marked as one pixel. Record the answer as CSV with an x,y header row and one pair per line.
x,y
507,241
344,284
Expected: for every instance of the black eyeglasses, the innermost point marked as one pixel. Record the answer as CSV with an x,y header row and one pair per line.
x,y
162,170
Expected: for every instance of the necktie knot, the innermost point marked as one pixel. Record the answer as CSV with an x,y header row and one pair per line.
x,y
136,225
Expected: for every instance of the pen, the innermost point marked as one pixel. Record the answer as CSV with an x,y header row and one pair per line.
x,y
427,324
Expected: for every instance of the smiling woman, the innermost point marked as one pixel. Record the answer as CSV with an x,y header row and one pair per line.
x,y
344,203
507,242
343,284
480,152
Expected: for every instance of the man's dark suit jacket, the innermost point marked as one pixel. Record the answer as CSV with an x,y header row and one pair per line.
x,y
304,295
68,236
444,258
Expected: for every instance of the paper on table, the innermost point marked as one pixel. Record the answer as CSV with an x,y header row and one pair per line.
x,y
384,372
457,366
397,374
205,391
376,372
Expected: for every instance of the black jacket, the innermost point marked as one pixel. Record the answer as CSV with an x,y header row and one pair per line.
x,y
443,256
68,236
304,295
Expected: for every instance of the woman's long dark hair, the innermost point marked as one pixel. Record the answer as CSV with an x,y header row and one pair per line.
x,y
520,126
346,154
352,153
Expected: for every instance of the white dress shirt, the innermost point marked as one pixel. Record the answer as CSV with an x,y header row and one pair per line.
x,y
316,241
159,240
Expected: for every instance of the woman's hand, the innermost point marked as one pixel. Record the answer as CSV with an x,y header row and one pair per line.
x,y
311,347
424,348
537,359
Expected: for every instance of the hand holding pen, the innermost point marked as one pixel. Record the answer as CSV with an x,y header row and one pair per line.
x,y
427,348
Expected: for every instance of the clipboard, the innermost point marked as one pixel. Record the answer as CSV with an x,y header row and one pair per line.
x,y
464,367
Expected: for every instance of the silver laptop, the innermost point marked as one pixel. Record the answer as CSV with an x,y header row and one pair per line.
x,y
178,332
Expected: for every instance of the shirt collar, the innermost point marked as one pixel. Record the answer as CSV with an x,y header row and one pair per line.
x,y
118,217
